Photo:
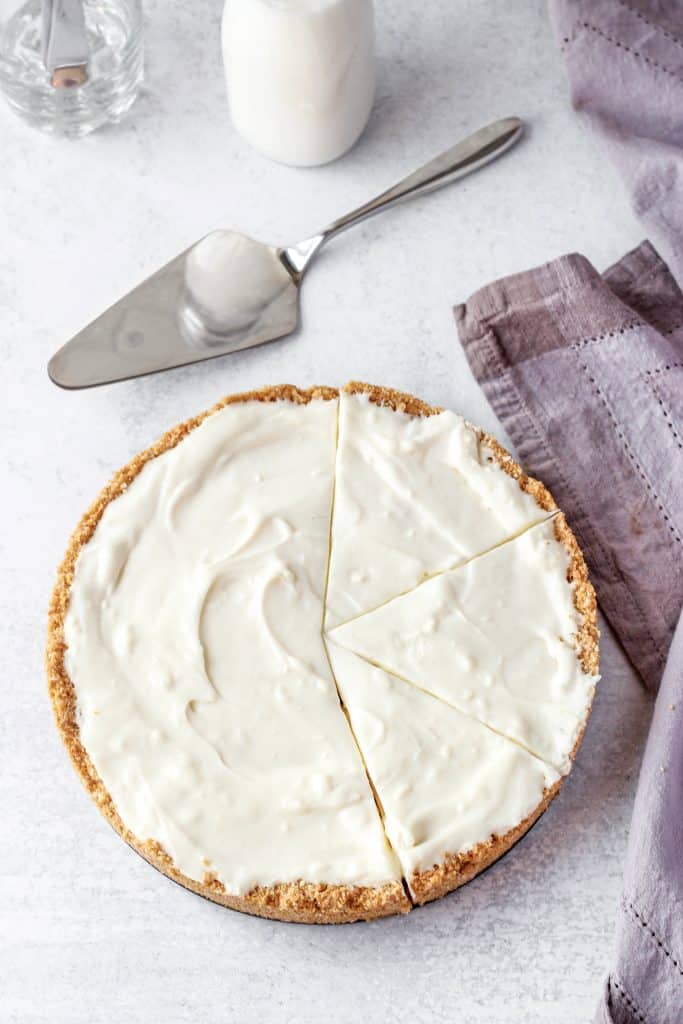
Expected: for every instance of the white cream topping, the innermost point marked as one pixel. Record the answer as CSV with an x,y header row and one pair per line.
x,y
445,781
413,496
195,643
494,638
204,696
231,280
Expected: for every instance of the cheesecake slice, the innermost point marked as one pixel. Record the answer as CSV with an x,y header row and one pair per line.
x,y
509,638
454,794
417,491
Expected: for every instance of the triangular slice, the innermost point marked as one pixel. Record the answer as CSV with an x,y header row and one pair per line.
x,y
455,795
510,638
417,491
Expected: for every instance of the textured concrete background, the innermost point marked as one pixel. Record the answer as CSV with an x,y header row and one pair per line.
x,y
88,932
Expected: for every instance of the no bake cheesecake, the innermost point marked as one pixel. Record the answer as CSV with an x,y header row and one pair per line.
x,y
322,655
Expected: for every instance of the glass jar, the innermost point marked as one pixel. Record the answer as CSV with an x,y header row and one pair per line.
x,y
72,104
300,75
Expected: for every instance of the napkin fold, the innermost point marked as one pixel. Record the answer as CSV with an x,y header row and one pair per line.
x,y
624,61
585,371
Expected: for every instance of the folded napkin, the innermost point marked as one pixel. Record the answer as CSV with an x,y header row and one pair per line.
x,y
624,60
585,371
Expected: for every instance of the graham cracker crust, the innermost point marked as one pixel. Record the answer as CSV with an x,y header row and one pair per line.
x,y
457,869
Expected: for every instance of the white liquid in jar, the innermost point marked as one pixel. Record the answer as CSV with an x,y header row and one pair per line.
x,y
300,75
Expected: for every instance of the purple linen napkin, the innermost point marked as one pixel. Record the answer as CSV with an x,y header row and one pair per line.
x,y
586,374
625,65
646,982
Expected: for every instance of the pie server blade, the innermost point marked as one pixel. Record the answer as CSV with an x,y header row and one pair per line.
x,y
158,326
154,327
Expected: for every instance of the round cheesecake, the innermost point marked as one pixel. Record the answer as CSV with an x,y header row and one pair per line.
x,y
322,655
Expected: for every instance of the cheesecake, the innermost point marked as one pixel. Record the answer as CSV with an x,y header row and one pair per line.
x,y
322,655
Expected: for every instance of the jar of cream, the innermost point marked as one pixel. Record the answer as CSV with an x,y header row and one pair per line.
x,y
300,75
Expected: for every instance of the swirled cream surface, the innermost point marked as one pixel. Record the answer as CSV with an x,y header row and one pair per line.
x,y
204,694
494,638
445,781
414,495
205,646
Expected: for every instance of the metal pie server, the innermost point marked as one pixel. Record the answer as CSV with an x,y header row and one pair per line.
x,y
228,292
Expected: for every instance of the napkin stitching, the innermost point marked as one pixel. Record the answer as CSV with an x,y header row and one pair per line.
x,y
489,339
628,326
663,369
627,49
542,441
540,436
666,412
589,538
644,924
629,1002
629,452
652,24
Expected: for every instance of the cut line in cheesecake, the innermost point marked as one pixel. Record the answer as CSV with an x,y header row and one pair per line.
x,y
508,638
417,491
376,798
359,748
450,568
454,792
